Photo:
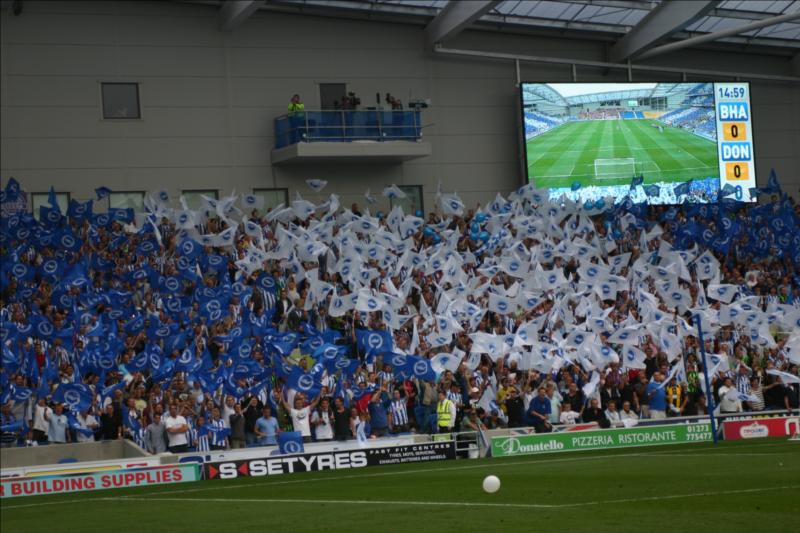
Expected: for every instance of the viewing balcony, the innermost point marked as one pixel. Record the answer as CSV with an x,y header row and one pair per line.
x,y
349,136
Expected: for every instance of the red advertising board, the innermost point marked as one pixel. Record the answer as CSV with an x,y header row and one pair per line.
x,y
137,477
756,428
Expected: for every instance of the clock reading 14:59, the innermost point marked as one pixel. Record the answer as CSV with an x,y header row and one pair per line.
x,y
731,92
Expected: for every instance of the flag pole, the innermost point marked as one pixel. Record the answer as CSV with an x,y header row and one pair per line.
x,y
709,392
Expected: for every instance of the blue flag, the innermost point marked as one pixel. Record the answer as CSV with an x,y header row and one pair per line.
x,y
76,396
290,442
652,190
102,192
72,420
302,382
683,188
12,190
374,341
636,181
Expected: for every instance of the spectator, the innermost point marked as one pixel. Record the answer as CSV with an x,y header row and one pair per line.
x,y
398,413
266,428
515,409
728,398
156,436
251,414
657,397
341,421
628,416
612,415
539,412
8,437
41,413
295,105
301,415
86,421
322,420
593,413
445,413
237,424
176,427
110,424
568,415
675,397
57,426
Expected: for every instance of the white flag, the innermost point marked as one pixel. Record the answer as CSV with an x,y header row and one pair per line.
x,y
316,185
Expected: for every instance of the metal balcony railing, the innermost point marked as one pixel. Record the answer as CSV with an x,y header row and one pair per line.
x,y
347,126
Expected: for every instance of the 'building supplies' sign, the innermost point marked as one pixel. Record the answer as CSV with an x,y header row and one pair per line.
x,y
62,484
600,439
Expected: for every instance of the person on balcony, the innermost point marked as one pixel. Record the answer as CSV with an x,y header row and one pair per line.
x,y
295,105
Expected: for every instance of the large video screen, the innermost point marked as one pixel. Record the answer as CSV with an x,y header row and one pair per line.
x,y
593,140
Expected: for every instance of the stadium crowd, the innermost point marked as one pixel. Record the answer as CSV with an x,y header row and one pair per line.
x,y
224,326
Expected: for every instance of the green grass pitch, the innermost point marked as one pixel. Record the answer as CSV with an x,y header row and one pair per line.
x,y
737,486
566,154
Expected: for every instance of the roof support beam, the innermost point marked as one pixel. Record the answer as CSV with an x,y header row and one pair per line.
x,y
719,35
663,20
234,12
454,18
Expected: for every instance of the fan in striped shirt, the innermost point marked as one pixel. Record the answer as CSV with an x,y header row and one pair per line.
x,y
386,377
398,415
198,435
219,440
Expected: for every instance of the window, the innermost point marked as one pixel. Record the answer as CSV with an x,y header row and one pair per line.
x,y
330,94
39,199
124,200
194,200
413,200
120,100
272,198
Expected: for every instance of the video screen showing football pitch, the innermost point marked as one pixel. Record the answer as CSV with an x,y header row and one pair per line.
x,y
590,140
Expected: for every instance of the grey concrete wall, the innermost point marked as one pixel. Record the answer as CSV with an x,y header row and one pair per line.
x,y
85,451
209,98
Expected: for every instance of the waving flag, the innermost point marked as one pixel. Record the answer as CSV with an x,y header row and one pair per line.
x,y
451,204
722,293
76,396
373,341
102,192
290,442
316,185
445,361
420,368
73,423
393,192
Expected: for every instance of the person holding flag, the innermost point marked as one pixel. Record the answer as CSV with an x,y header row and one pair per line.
x,y
57,425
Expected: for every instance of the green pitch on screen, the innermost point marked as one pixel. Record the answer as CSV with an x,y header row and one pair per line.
x,y
611,152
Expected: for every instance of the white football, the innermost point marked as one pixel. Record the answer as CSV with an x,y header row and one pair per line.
x,y
491,484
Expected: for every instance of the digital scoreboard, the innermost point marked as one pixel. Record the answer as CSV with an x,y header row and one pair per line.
x,y
735,138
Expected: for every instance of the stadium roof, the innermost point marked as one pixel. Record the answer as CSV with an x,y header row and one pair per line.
x,y
612,19
552,93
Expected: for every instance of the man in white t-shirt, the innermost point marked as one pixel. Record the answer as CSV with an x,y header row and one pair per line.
x,y
568,416
728,399
40,424
86,421
301,415
176,430
322,419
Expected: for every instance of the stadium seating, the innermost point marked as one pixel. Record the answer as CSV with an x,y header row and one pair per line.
x,y
537,123
168,313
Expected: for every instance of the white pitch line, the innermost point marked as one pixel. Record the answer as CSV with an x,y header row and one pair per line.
x,y
458,504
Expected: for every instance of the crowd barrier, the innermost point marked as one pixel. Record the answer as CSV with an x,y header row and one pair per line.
x,y
273,465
